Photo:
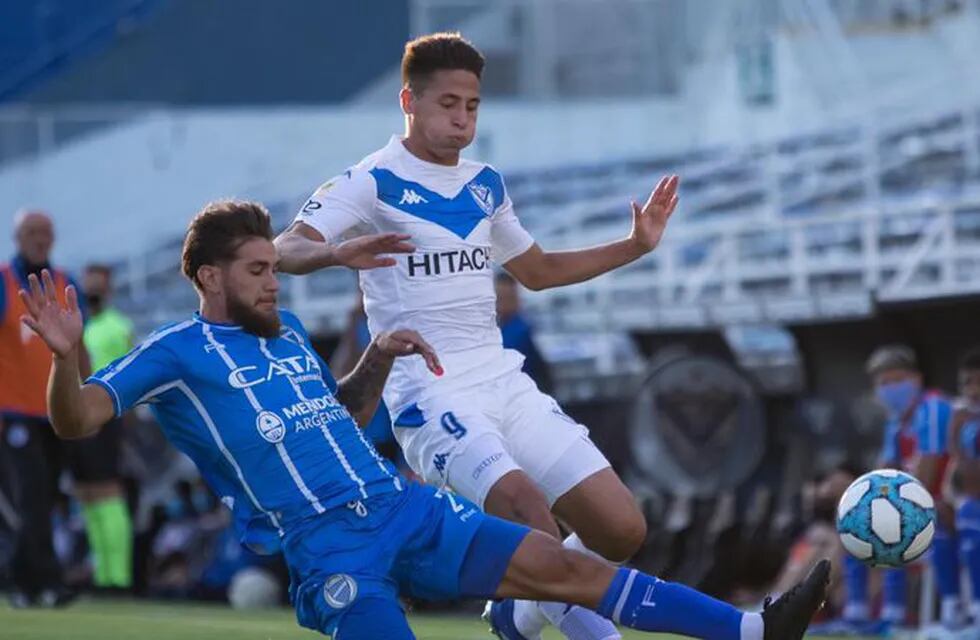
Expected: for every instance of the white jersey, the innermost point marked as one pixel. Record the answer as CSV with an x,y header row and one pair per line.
x,y
460,219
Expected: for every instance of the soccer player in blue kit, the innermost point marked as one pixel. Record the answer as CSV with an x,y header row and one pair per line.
x,y
239,388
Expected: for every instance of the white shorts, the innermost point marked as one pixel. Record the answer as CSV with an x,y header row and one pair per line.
x,y
470,437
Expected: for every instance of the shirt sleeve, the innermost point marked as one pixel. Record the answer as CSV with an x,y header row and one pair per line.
x,y
340,204
508,238
131,379
933,419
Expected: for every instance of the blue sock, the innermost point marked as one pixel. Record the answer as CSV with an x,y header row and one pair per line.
x,y
945,563
968,528
856,607
640,601
894,595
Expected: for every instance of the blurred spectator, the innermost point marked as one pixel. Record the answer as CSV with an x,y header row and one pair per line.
x,y
964,443
195,553
30,450
915,441
964,437
108,336
181,542
353,341
517,332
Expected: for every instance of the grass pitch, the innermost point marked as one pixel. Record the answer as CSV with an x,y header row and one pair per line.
x,y
140,620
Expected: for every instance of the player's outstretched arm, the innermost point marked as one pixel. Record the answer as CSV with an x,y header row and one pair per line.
x,y
538,269
76,410
302,249
360,391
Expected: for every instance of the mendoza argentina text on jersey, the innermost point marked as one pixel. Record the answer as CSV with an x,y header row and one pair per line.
x,y
460,219
259,417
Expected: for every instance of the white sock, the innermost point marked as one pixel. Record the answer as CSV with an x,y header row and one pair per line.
x,y
578,623
529,619
575,543
893,613
752,627
949,611
857,612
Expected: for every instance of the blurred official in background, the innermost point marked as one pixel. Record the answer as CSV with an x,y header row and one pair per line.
x,y
32,456
108,336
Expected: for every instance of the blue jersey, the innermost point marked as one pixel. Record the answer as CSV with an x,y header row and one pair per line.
x,y
259,417
925,433
517,334
969,443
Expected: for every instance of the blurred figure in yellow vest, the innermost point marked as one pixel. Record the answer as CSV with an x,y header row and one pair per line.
x,y
108,336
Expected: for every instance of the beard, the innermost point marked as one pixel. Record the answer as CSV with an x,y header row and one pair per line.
x,y
264,325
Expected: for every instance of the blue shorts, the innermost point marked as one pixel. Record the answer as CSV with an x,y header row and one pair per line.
x,y
421,542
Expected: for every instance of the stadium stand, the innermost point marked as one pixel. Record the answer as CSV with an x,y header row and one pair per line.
x,y
831,214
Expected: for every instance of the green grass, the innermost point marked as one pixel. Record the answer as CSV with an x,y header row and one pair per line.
x,y
122,620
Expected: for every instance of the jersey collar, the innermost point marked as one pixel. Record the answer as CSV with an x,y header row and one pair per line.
x,y
224,326
397,146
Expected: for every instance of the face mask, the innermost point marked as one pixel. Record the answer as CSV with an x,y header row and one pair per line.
x,y
94,300
897,397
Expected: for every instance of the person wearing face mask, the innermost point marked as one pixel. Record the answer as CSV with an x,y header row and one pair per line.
x,y
964,446
915,441
31,456
95,461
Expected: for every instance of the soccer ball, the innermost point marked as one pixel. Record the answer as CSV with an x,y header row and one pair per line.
x,y
886,518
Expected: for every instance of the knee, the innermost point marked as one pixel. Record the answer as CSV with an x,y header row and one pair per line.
x,y
622,539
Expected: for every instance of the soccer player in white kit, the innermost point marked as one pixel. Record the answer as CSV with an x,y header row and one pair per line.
x,y
427,227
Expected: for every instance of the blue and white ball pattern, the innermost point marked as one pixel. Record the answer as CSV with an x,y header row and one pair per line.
x,y
886,518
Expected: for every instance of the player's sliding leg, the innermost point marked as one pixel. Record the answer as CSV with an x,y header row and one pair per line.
x,y
374,619
516,498
542,569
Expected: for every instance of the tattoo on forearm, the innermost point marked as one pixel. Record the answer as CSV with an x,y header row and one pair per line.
x,y
360,391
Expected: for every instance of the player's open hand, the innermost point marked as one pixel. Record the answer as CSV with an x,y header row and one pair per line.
x,y
370,252
650,221
405,342
59,326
